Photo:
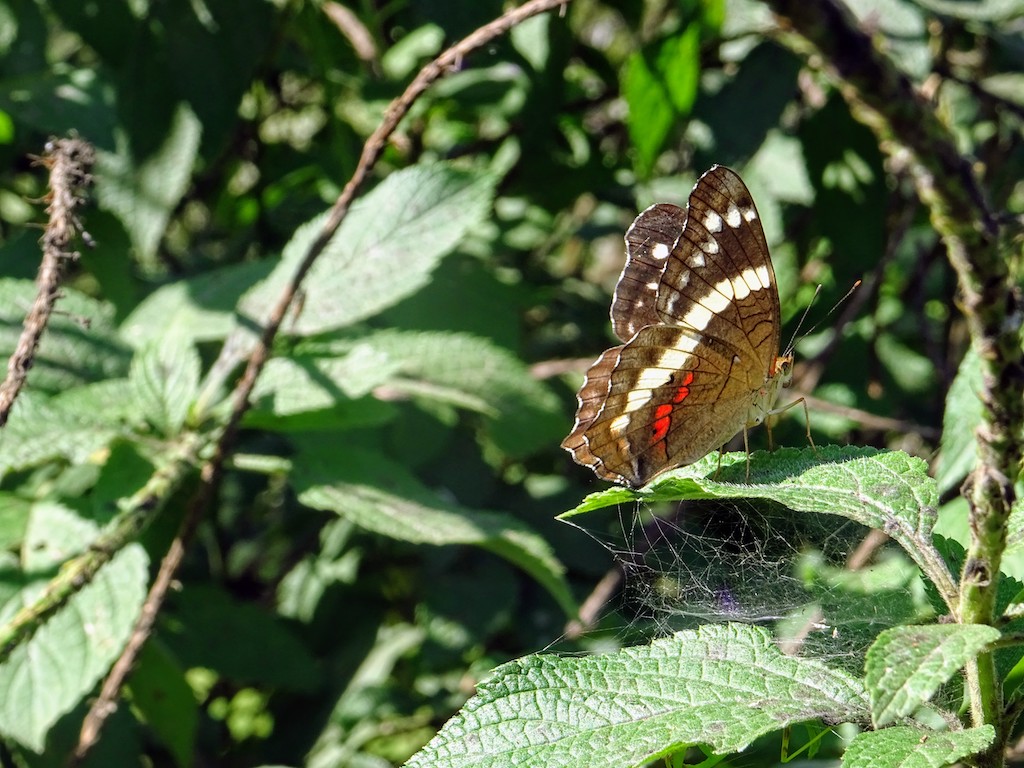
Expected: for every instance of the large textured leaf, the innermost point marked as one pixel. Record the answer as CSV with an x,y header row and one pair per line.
x,y
52,671
382,497
384,250
79,345
885,490
906,665
906,747
722,686
452,368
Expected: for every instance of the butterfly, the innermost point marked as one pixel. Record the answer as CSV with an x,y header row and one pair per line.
x,y
698,311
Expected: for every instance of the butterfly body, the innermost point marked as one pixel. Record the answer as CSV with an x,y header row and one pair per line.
x,y
698,311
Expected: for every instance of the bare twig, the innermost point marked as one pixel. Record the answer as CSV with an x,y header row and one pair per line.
x,y
866,418
69,162
213,470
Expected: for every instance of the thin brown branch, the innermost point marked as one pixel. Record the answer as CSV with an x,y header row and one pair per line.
x,y
69,162
213,470
867,419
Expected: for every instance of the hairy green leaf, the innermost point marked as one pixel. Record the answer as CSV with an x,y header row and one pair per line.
x,y
473,373
384,250
71,426
79,345
165,380
382,497
720,686
905,747
49,674
906,665
201,308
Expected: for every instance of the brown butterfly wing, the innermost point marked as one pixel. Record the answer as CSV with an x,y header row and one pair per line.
x,y
684,382
649,242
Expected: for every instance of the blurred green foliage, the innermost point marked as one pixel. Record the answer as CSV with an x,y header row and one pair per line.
x,y
386,534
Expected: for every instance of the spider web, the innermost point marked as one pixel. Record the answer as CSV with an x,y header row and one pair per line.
x,y
696,563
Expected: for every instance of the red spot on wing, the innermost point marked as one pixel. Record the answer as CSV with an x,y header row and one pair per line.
x,y
663,413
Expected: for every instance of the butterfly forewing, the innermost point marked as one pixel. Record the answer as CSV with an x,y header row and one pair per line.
x,y
719,279
698,308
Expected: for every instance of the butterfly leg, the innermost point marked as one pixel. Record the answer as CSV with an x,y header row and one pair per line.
x,y
746,450
721,453
807,421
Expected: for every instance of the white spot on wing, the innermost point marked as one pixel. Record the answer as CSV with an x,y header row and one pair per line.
x,y
660,251
652,286
747,283
618,424
713,222
709,246
674,358
699,315
762,275
696,260
749,213
733,217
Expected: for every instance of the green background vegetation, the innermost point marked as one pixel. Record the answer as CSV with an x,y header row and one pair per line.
x,y
385,535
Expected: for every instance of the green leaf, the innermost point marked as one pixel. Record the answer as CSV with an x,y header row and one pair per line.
x,y
720,686
14,515
211,629
473,373
962,416
885,490
335,562
382,497
143,191
52,671
166,702
912,371
679,65
316,378
384,250
200,308
71,426
79,345
906,665
165,380
905,747
651,114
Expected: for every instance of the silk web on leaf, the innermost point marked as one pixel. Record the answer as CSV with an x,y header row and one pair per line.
x,y
692,563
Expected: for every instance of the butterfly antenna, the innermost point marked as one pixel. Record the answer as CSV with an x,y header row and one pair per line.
x,y
803,317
